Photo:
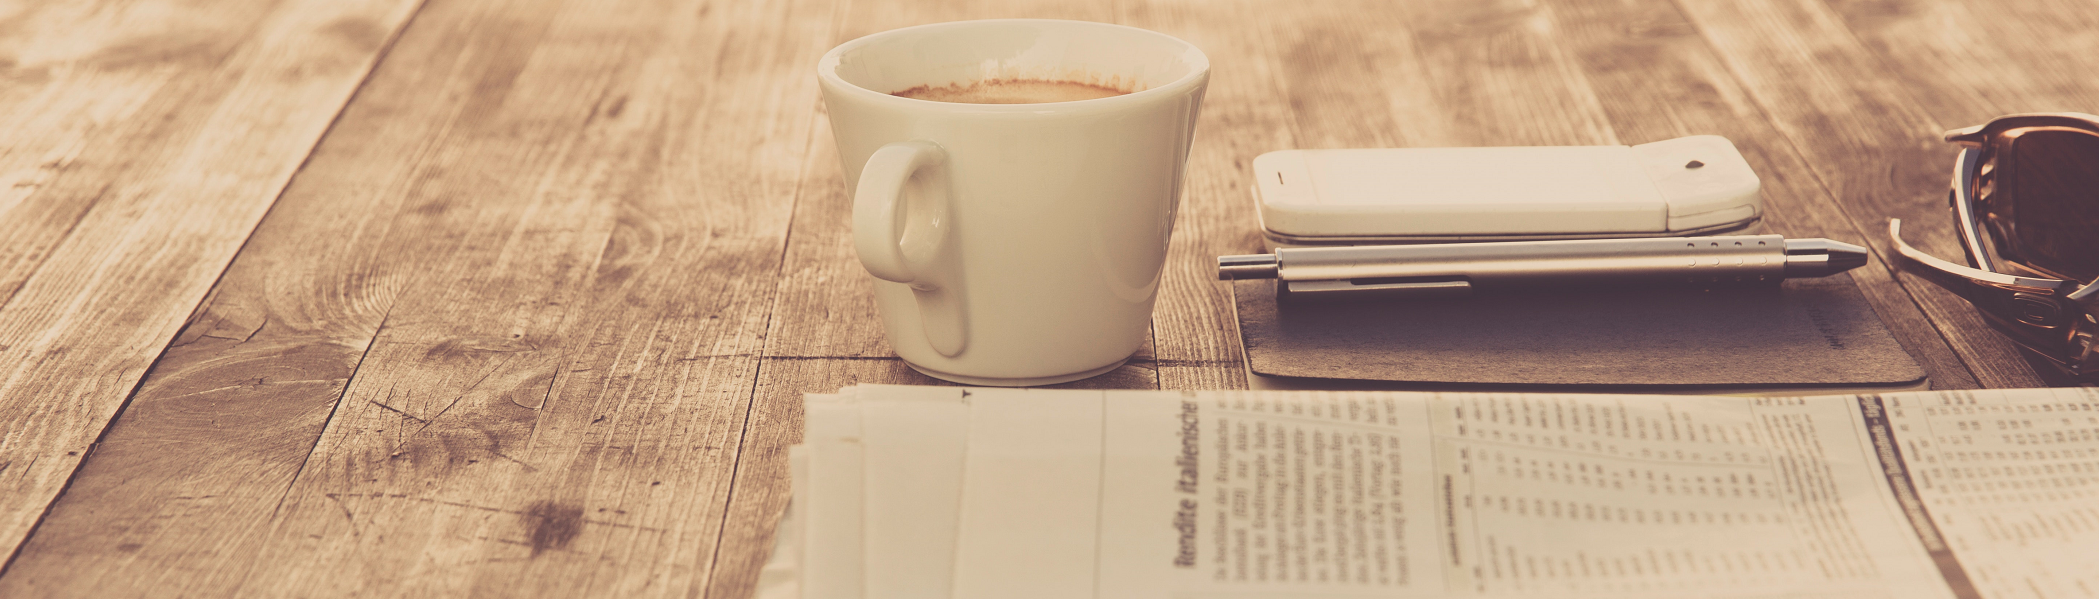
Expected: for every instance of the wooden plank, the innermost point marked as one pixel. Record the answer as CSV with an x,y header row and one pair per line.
x,y
556,411
84,93
182,488
1493,74
580,338
1966,61
1867,136
1657,79
146,139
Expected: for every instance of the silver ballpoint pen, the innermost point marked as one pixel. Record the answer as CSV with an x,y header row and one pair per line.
x,y
1440,270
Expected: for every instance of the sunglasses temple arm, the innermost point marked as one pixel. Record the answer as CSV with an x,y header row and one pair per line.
x,y
1963,279
1995,294
2084,294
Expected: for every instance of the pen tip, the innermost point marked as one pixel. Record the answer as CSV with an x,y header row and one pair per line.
x,y
1817,257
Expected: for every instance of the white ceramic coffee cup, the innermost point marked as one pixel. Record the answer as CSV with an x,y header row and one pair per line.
x,y
1014,244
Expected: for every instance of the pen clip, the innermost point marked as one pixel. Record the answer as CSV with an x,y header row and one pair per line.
x,y
1374,288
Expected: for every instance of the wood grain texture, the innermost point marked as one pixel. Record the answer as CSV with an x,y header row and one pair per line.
x,y
196,467
825,303
1966,61
145,140
84,91
1868,138
1657,79
556,407
582,336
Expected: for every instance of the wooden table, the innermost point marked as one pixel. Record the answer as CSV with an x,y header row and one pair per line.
x,y
519,298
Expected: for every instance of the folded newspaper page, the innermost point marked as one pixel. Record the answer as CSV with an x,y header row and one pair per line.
x,y
951,492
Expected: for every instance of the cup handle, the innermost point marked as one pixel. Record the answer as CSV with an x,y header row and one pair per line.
x,y
902,232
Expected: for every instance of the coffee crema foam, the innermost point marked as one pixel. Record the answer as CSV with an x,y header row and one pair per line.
x,y
1011,91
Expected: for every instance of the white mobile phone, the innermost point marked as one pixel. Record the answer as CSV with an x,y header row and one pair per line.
x,y
1686,186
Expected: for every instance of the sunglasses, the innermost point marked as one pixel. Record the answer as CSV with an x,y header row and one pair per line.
x,y
2025,205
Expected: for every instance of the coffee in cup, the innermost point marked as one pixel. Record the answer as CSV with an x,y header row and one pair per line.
x,y
1011,91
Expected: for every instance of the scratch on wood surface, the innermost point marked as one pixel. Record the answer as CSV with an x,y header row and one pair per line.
x,y
520,513
258,329
717,356
195,328
464,346
235,386
552,525
218,337
1170,362
528,466
390,398
355,531
455,402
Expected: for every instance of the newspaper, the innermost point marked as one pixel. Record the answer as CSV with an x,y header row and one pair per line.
x,y
952,492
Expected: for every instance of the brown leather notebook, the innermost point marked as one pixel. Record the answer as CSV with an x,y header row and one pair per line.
x,y
1808,333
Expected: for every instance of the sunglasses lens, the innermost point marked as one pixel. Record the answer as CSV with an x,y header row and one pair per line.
x,y
2050,190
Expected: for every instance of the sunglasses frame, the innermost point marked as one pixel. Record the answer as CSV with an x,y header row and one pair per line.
x,y
2053,318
